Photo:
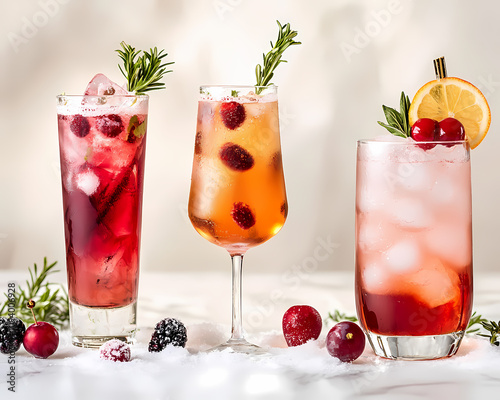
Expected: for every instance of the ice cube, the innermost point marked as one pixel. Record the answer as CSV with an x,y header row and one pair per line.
x,y
87,182
375,278
403,257
410,213
451,242
100,85
415,176
375,232
435,284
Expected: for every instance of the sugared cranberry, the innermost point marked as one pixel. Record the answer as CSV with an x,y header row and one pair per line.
x,y
345,341
236,157
301,324
425,130
243,215
111,125
115,350
450,129
233,114
80,126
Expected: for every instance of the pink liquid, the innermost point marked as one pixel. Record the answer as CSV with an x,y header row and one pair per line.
x,y
102,179
413,239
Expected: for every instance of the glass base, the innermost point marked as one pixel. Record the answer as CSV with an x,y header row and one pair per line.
x,y
415,347
239,346
93,326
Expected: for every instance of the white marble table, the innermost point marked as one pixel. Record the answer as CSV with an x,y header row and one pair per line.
x,y
202,302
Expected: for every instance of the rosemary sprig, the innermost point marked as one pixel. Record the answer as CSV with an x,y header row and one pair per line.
x,y
337,316
494,329
143,72
273,58
397,122
475,320
52,304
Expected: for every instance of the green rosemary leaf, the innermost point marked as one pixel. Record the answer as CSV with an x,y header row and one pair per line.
x,y
51,299
272,59
337,316
143,72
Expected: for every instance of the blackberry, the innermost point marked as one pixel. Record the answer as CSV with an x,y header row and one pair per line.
x,y
11,334
169,331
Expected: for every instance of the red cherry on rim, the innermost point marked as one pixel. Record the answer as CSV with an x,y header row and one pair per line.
x,y
450,129
425,130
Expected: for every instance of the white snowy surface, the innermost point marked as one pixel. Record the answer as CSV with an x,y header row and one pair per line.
x,y
304,372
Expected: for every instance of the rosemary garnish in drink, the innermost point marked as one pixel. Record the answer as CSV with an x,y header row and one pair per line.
x,y
143,72
273,58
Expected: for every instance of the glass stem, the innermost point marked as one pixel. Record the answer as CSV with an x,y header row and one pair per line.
x,y
237,329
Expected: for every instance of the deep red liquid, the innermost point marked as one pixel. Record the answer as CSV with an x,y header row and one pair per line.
x,y
404,315
102,229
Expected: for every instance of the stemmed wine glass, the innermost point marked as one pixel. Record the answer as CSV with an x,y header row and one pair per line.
x,y
237,198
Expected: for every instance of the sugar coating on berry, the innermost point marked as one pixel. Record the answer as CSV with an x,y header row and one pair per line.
x,y
300,324
243,215
115,350
12,331
169,331
233,114
80,126
236,157
111,125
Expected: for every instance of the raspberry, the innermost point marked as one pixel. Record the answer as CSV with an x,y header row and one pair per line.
x,y
236,157
233,114
80,126
111,125
169,331
115,350
301,324
276,160
11,334
242,215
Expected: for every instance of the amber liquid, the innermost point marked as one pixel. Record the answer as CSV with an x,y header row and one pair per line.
x,y
217,189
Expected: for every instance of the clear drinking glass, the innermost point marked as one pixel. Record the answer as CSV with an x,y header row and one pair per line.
x,y
237,198
413,246
102,146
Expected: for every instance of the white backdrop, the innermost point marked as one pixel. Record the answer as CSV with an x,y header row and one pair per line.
x,y
356,55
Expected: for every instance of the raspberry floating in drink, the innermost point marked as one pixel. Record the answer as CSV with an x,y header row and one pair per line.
x,y
300,324
232,114
243,215
236,157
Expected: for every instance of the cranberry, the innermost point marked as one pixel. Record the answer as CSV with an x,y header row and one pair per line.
x,y
450,129
243,215
233,114
115,350
425,130
301,324
345,341
236,157
80,126
41,339
111,125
